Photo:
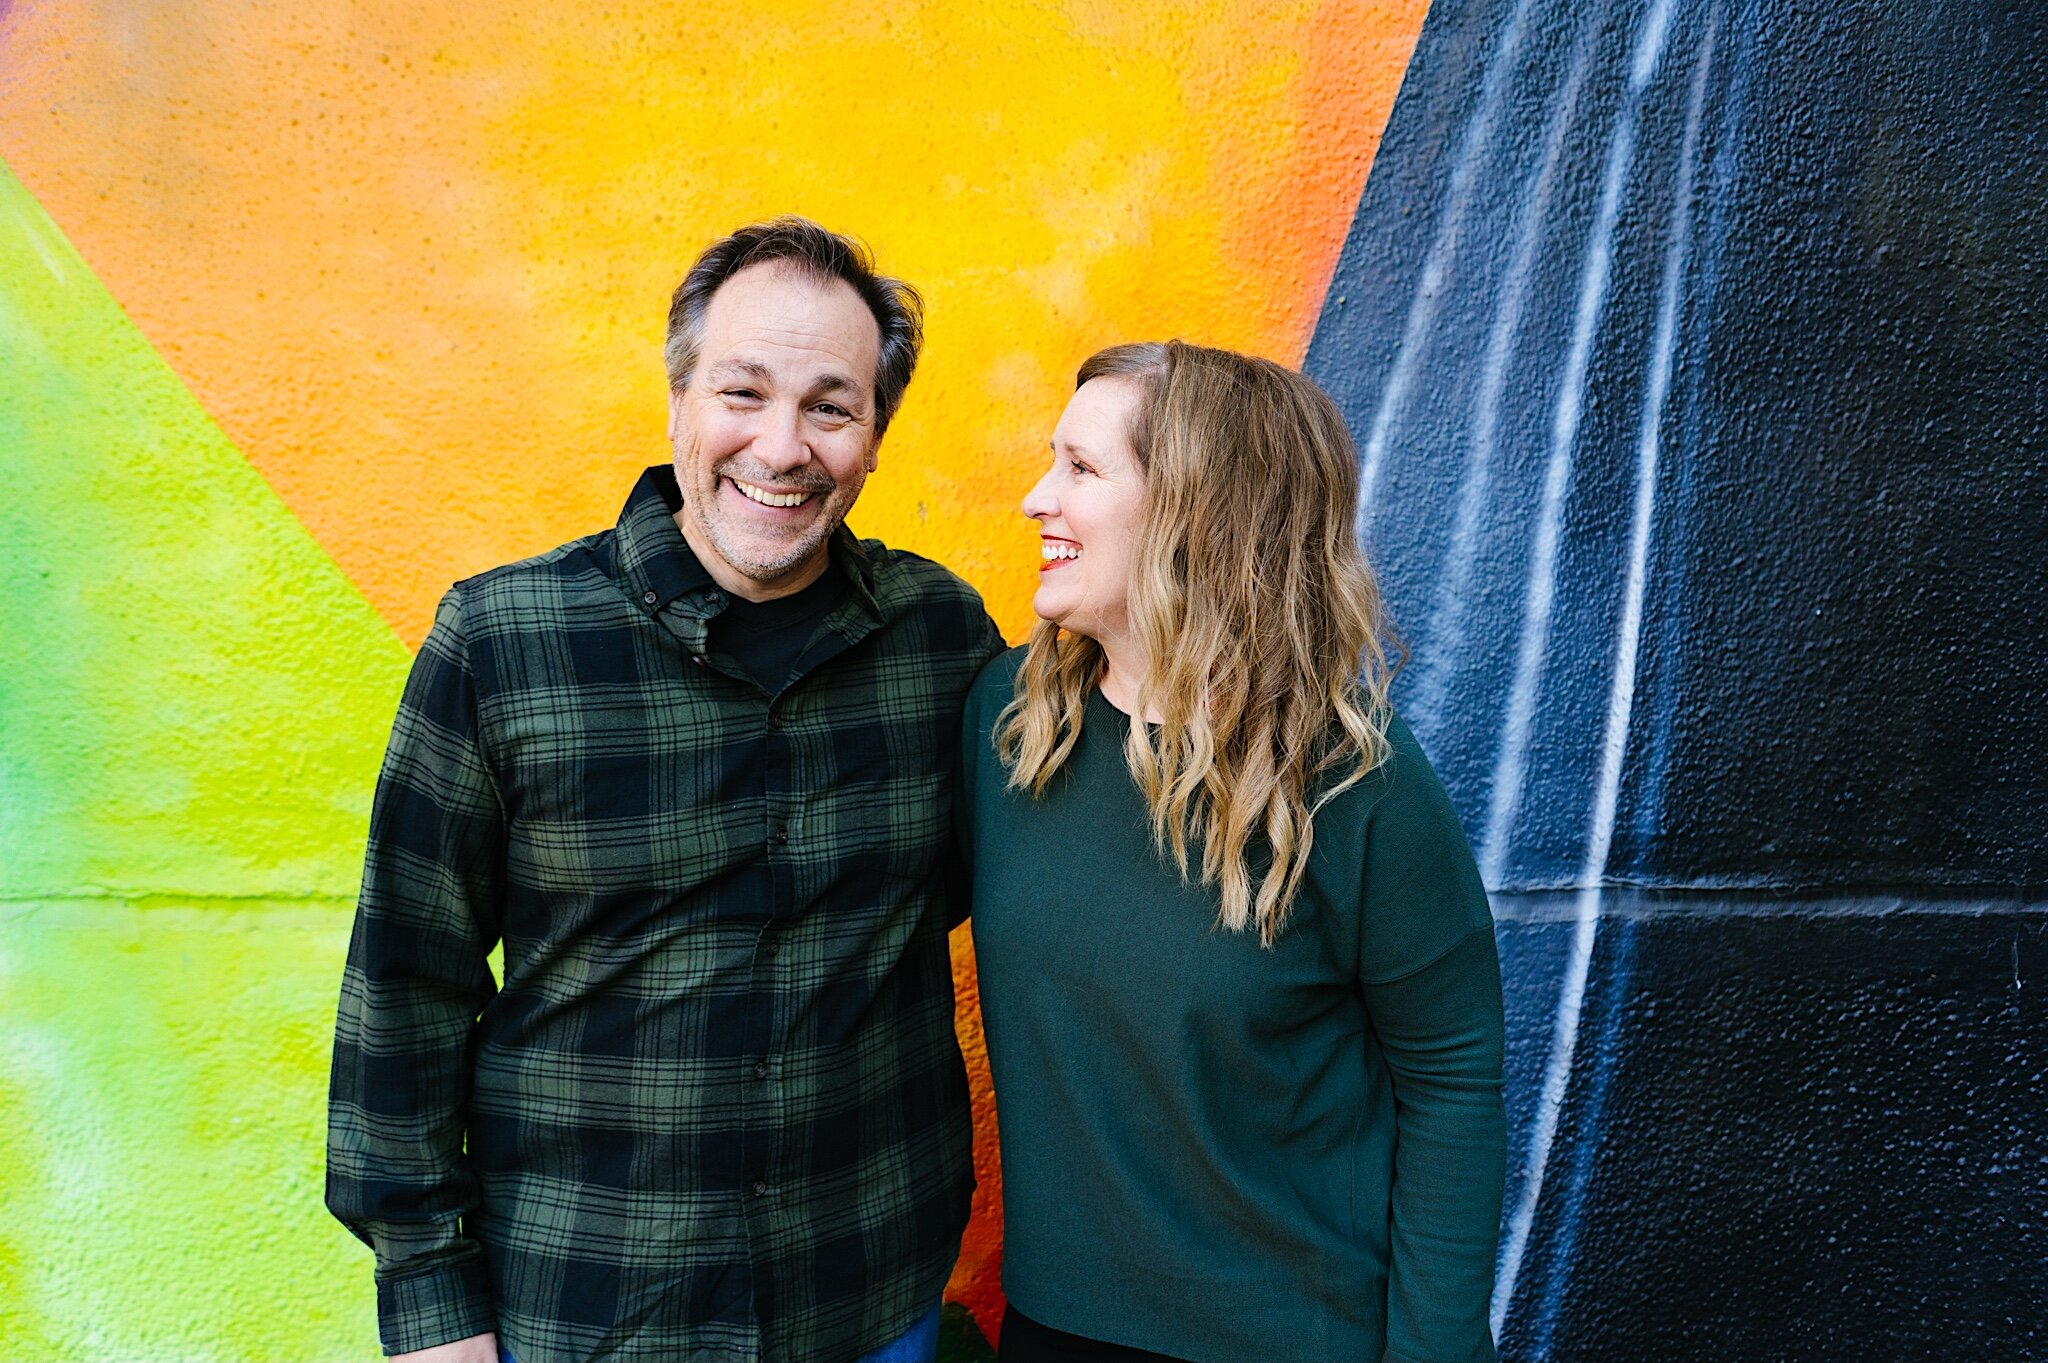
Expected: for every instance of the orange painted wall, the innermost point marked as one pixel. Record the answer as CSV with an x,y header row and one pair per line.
x,y
413,261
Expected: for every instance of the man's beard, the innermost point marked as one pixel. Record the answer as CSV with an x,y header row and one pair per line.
x,y
743,551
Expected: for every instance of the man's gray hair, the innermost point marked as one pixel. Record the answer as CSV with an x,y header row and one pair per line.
x,y
823,255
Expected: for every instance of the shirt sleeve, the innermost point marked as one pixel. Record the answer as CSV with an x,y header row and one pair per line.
x,y
416,979
1430,975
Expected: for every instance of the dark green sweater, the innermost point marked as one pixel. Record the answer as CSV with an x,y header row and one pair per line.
x,y
1221,1152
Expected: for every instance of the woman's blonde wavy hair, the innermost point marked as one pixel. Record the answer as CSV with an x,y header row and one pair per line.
x,y
1253,601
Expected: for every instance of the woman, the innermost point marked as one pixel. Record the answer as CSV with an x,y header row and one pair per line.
x,y
1237,969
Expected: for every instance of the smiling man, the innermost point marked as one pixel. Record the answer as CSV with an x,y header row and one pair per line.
x,y
692,773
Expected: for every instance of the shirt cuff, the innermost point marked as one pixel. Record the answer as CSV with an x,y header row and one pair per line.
x,y
443,1304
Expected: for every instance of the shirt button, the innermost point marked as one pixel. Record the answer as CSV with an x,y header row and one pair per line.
x,y
760,1069
780,835
760,1189
649,597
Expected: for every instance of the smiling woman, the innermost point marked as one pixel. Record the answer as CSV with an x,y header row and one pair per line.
x,y
1208,672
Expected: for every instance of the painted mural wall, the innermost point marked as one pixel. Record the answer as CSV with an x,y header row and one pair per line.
x,y
1698,354
307,310
1693,349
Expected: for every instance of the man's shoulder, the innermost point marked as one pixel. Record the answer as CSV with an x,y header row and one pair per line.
x,y
946,609
517,596
903,578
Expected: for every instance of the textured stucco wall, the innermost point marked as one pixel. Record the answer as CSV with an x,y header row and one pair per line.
x,y
1696,351
309,309
1693,347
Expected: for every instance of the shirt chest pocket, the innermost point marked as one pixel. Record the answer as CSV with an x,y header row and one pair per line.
x,y
620,797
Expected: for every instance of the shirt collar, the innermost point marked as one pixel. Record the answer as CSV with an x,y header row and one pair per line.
x,y
659,566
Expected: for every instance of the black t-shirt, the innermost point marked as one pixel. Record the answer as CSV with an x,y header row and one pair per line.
x,y
767,638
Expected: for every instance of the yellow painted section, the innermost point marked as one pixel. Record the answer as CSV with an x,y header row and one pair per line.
x,y
414,259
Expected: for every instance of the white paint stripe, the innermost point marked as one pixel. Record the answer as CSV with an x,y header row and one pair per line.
x,y
1446,632
1504,798
1564,1037
1621,694
1621,697
1422,308
1536,637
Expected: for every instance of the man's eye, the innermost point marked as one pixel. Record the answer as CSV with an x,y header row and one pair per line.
x,y
740,394
837,413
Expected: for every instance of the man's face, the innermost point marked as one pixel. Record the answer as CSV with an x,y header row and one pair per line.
x,y
775,434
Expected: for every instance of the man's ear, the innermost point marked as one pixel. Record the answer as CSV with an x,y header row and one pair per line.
x,y
874,453
675,415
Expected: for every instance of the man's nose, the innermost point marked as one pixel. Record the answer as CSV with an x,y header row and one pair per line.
x,y
782,445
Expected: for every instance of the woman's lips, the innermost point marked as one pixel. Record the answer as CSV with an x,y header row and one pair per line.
x,y
1056,553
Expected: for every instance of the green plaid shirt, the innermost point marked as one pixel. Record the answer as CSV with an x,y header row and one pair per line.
x,y
716,1109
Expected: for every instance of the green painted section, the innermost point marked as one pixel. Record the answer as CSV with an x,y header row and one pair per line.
x,y
193,697
162,1081
193,701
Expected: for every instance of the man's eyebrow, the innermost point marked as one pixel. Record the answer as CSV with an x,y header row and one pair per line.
x,y
838,385
726,370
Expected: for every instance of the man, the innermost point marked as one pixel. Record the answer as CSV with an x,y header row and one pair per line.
x,y
694,774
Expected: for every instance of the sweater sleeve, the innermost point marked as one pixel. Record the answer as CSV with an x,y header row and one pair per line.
x,y
988,695
416,979
1430,975
1440,1029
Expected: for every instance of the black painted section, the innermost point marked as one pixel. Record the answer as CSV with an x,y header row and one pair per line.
x,y
1770,280
1797,1130
1842,677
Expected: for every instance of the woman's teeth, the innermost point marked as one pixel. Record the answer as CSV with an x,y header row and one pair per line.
x,y
1049,551
767,498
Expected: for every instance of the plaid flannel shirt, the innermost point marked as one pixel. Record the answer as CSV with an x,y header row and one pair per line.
x,y
716,1109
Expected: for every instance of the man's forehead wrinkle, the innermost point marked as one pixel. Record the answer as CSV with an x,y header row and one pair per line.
x,y
812,368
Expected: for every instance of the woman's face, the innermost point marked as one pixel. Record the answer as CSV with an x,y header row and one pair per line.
x,y
1087,507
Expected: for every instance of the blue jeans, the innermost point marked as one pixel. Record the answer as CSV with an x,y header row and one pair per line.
x,y
918,1344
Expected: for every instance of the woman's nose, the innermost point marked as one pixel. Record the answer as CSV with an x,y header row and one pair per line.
x,y
1039,503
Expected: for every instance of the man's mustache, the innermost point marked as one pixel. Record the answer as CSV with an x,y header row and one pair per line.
x,y
763,477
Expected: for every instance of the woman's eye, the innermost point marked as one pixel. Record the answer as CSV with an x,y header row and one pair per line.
x,y
1079,467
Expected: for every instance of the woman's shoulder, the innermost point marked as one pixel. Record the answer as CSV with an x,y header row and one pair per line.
x,y
996,683
1399,807
1419,890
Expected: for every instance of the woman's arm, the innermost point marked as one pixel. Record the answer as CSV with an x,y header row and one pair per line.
x,y
1440,1028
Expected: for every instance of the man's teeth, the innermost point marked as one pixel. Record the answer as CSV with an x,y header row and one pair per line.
x,y
1049,551
767,498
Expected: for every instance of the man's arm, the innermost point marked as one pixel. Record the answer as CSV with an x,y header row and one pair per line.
x,y
416,979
